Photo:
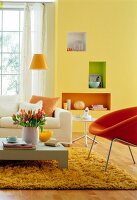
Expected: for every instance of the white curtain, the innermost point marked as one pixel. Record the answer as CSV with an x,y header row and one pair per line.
x,y
26,55
33,81
44,47
39,46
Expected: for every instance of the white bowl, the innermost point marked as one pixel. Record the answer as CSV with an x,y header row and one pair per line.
x,y
94,84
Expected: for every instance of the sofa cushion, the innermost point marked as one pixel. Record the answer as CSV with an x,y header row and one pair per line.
x,y
7,122
52,122
30,106
49,104
8,105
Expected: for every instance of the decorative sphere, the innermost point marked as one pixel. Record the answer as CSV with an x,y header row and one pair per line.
x,y
79,105
45,135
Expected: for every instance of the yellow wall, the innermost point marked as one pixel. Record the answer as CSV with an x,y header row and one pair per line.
x,y
111,27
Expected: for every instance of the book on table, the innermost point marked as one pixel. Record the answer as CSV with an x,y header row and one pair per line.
x,y
52,143
18,145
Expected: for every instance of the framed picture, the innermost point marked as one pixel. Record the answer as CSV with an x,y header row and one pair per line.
x,y
95,81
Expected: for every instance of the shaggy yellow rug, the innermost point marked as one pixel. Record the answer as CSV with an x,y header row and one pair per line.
x,y
81,174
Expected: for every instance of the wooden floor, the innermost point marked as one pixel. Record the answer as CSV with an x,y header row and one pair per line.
x,y
120,156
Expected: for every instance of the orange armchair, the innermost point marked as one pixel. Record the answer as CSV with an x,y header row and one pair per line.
x,y
120,125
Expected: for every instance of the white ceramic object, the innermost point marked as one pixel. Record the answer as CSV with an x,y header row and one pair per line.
x,y
94,84
30,135
86,114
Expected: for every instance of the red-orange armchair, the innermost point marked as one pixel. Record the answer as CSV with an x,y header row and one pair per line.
x,y
120,125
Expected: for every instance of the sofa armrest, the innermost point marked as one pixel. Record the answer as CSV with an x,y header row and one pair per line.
x,y
60,110
65,118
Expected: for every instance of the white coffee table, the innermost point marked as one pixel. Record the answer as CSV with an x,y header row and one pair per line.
x,y
42,152
85,121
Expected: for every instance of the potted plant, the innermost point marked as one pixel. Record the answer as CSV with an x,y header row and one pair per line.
x,y
31,122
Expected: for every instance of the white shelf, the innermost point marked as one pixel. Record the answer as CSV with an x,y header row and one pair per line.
x,y
76,41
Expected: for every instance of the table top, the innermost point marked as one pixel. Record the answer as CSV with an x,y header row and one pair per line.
x,y
41,152
80,119
39,147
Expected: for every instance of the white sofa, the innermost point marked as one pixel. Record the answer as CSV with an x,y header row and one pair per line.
x,y
61,123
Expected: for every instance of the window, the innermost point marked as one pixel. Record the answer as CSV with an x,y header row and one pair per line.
x,y
11,27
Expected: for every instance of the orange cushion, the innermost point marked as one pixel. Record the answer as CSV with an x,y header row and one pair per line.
x,y
49,104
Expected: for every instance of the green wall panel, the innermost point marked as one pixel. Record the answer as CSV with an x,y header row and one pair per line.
x,y
98,68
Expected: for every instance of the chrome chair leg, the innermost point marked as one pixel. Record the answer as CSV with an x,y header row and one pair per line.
x,y
131,154
92,139
91,146
108,155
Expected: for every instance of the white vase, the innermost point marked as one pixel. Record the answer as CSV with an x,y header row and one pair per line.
x,y
30,135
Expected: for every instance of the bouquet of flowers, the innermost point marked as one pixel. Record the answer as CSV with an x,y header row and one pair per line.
x,y
30,118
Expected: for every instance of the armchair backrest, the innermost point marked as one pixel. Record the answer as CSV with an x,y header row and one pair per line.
x,y
117,116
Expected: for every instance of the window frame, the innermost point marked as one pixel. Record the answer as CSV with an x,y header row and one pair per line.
x,y
2,53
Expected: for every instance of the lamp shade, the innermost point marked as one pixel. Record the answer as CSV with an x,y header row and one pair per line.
x,y
38,62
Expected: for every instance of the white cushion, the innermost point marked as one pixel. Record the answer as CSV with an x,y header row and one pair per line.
x,y
11,98
8,105
30,106
7,122
52,122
